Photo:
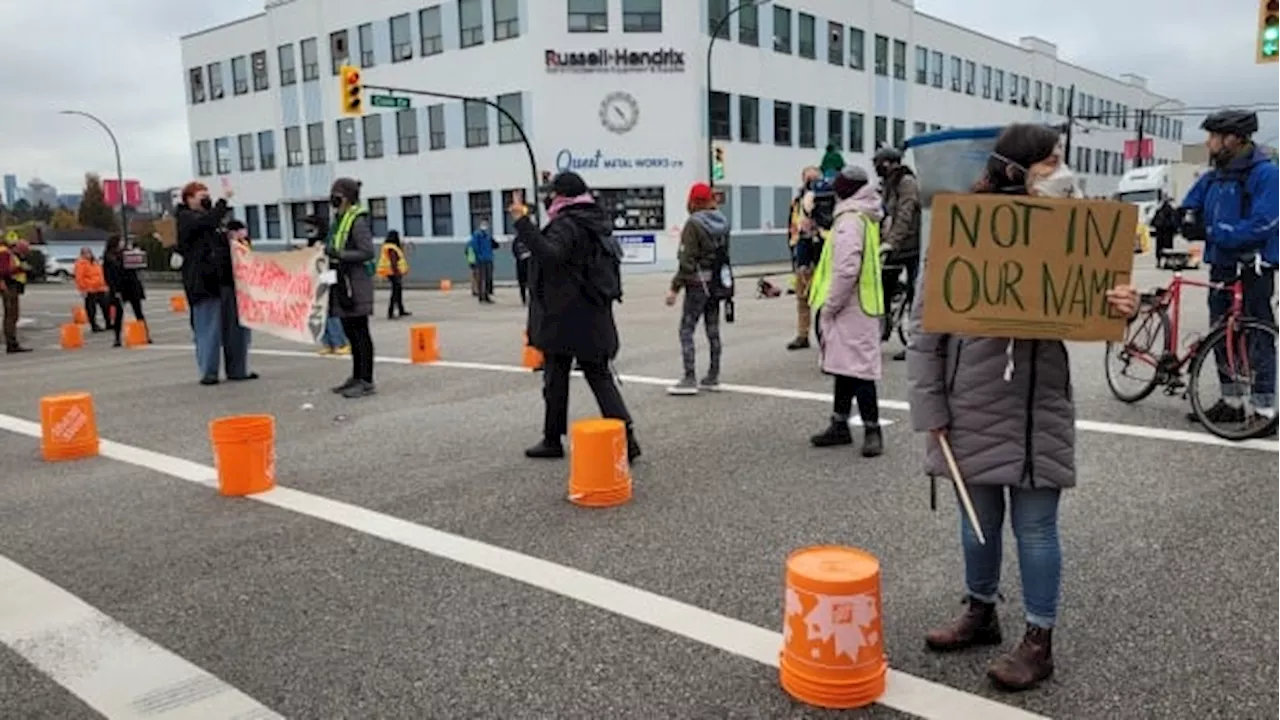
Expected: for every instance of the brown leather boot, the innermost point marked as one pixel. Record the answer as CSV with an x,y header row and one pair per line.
x,y
1028,664
978,625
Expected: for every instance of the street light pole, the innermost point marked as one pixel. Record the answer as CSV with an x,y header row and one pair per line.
x,y
124,219
715,35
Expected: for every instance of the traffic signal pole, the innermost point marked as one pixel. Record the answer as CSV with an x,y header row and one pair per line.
x,y
524,139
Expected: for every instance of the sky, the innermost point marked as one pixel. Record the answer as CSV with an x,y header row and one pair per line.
x,y
120,61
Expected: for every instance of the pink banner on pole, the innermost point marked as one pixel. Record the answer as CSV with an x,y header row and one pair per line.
x,y
1131,149
132,192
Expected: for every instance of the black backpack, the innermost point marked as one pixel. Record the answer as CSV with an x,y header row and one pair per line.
x,y
601,271
721,285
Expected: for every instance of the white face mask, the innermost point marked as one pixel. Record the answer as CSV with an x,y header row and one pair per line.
x,y
1061,183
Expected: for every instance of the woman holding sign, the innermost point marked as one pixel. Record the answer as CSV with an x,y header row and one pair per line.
x,y
1003,408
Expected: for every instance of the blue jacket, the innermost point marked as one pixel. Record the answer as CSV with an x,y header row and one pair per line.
x,y
481,246
1239,224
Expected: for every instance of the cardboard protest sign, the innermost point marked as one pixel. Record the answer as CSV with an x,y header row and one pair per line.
x,y
283,294
1018,266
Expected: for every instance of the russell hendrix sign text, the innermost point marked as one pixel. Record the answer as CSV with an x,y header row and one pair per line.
x,y
621,60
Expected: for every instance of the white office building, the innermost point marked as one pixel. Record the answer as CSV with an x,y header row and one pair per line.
x,y
616,90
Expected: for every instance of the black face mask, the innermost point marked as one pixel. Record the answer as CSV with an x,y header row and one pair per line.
x,y
546,202
335,201
206,203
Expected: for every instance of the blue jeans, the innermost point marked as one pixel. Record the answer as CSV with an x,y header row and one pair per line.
x,y
334,337
1034,516
218,335
1258,289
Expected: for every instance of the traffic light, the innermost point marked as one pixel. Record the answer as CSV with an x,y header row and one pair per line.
x,y
1268,31
352,90
717,163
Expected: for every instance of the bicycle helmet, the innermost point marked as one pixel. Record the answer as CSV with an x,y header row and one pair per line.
x,y
1241,123
887,155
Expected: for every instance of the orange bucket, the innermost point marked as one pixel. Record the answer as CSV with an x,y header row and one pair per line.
x,y
833,640
599,474
178,303
244,451
135,333
72,337
68,428
422,344
446,285
79,316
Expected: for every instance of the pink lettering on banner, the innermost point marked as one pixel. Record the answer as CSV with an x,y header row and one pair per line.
x,y
280,292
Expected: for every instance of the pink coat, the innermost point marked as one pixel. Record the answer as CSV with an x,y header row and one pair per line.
x,y
850,342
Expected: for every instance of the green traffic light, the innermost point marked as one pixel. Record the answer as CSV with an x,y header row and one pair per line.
x,y
1271,33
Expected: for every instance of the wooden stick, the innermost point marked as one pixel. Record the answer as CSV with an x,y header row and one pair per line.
x,y
960,488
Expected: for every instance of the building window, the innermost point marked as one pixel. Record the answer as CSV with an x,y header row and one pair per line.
x,y
935,69
781,123
997,85
364,35
310,60
781,29
476,122
716,11
339,52
922,65
781,207
718,104
378,216
297,221
239,75
835,128
808,44
882,131
955,73
442,216
857,51
315,143
506,19
750,198
508,196
513,104
431,28
245,145
642,16
480,206
259,62
835,43
807,133
288,67
401,38
411,212
588,16
1048,98
348,143
857,131
749,24
271,217
222,153
196,85
919,128
371,128
986,82
407,131
882,55
899,60
899,132
204,158
1025,87
470,23
215,81
1039,99
748,119
252,221
970,77
267,150
435,127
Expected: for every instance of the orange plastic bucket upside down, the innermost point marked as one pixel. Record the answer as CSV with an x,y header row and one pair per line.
x,y
833,639
68,427
599,473
72,337
423,344
244,452
79,316
135,333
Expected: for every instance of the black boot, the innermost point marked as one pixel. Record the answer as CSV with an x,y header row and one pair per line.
x,y
836,434
633,447
548,449
799,343
872,441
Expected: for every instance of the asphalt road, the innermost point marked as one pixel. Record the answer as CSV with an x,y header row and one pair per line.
x,y
473,589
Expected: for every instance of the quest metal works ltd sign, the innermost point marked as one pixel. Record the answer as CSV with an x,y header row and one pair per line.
x,y
618,60
567,160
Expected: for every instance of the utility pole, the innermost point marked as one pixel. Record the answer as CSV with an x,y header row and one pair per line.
x,y
124,213
1142,121
1071,121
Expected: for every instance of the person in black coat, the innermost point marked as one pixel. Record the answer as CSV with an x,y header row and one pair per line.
x,y
565,323
123,286
1165,223
208,280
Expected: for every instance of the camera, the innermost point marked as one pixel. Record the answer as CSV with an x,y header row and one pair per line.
x,y
824,203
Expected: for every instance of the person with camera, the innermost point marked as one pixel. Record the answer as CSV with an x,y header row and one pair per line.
x,y
803,238
901,245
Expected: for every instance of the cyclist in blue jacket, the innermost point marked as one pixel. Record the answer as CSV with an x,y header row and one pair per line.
x,y
1233,208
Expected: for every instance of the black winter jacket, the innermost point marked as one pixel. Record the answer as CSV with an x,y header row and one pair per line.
x,y
206,254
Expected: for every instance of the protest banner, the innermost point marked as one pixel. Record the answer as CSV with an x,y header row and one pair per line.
x,y
284,294
1027,267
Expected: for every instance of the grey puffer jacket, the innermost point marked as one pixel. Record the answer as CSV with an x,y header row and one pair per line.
x,y
353,278
1006,404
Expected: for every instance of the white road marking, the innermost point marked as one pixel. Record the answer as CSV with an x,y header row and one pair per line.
x,y
1097,426
112,669
905,693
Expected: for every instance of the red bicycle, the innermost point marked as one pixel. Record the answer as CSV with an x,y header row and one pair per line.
x,y
1236,352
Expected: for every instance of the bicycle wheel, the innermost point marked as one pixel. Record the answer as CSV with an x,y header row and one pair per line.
x,y
1145,343
1250,340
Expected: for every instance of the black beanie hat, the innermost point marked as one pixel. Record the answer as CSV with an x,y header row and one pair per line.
x,y
849,181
